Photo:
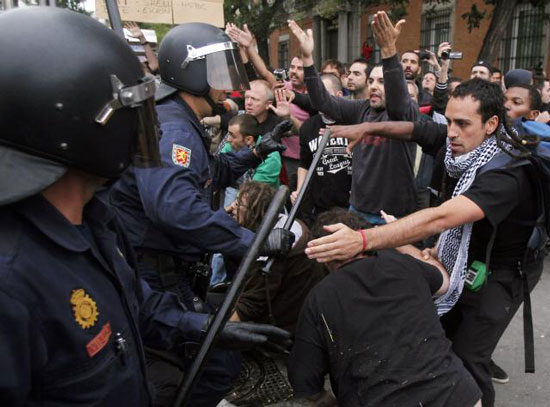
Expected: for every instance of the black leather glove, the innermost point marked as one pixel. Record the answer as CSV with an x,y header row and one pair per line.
x,y
246,335
271,141
278,242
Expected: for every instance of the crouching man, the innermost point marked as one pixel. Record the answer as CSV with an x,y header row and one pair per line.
x,y
373,326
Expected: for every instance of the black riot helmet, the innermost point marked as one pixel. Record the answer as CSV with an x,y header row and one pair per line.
x,y
195,57
73,94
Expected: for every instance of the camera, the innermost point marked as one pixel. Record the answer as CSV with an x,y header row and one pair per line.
x,y
423,55
280,74
451,55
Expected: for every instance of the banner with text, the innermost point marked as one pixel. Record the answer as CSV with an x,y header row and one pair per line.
x,y
167,11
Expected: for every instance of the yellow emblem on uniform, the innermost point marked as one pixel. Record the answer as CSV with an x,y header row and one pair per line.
x,y
85,308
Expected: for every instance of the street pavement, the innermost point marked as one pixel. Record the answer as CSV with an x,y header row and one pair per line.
x,y
525,389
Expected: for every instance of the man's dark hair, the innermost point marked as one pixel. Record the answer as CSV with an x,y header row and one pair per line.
x,y
496,70
538,82
371,68
491,102
338,215
410,51
334,80
248,125
488,94
361,61
336,64
535,100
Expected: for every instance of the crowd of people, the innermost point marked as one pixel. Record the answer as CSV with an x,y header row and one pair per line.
x,y
125,214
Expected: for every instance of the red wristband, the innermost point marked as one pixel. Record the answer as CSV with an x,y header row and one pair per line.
x,y
364,237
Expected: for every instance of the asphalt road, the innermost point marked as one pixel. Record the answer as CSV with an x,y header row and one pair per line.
x,y
524,389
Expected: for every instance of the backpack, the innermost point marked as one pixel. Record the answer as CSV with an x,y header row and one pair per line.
x,y
537,157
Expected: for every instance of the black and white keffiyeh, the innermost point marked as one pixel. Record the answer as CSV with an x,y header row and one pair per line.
x,y
453,244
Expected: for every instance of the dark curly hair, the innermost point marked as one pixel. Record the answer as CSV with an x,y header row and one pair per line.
x,y
338,215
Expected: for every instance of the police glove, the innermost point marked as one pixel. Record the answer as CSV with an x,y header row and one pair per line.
x,y
278,242
247,335
271,141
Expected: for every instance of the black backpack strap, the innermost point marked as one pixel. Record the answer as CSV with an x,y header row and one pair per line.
x,y
528,335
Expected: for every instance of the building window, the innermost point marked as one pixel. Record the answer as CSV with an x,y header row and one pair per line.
x,y
524,42
283,48
436,28
373,47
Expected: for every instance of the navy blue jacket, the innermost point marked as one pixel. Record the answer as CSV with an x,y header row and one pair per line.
x,y
167,209
65,299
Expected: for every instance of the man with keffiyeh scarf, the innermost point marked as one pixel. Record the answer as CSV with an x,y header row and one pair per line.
x,y
502,199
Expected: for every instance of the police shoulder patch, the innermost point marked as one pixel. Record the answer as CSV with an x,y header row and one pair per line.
x,y
84,308
181,155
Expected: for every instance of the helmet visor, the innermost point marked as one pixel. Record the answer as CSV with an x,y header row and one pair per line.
x,y
225,71
146,151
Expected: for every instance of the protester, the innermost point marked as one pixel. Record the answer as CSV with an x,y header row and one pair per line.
x,y
243,133
482,70
167,211
275,298
428,82
445,85
151,63
391,349
497,77
331,183
75,316
357,80
522,101
336,68
376,160
413,72
484,211
543,86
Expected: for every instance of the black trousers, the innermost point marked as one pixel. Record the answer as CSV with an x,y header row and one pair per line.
x,y
478,320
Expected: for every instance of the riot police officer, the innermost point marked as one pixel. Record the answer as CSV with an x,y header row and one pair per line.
x,y
167,210
75,111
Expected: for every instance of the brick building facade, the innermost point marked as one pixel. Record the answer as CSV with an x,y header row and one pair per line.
x,y
526,43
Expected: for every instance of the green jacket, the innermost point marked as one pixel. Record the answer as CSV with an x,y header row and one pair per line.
x,y
268,171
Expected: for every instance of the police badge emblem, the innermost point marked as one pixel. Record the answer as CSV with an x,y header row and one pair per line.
x,y
85,308
181,155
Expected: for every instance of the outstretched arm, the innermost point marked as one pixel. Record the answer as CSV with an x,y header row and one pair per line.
x,y
345,243
338,109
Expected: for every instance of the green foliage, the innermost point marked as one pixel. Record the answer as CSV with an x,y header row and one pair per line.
x,y
473,17
75,5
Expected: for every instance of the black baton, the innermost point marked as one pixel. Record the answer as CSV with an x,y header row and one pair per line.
x,y
114,17
292,215
225,310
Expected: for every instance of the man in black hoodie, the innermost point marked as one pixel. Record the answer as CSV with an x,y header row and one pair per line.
x,y
376,160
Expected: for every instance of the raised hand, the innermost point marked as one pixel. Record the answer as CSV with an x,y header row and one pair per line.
x,y
283,105
306,41
134,30
386,34
243,37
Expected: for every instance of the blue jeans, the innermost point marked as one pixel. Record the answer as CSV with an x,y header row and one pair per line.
x,y
372,218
